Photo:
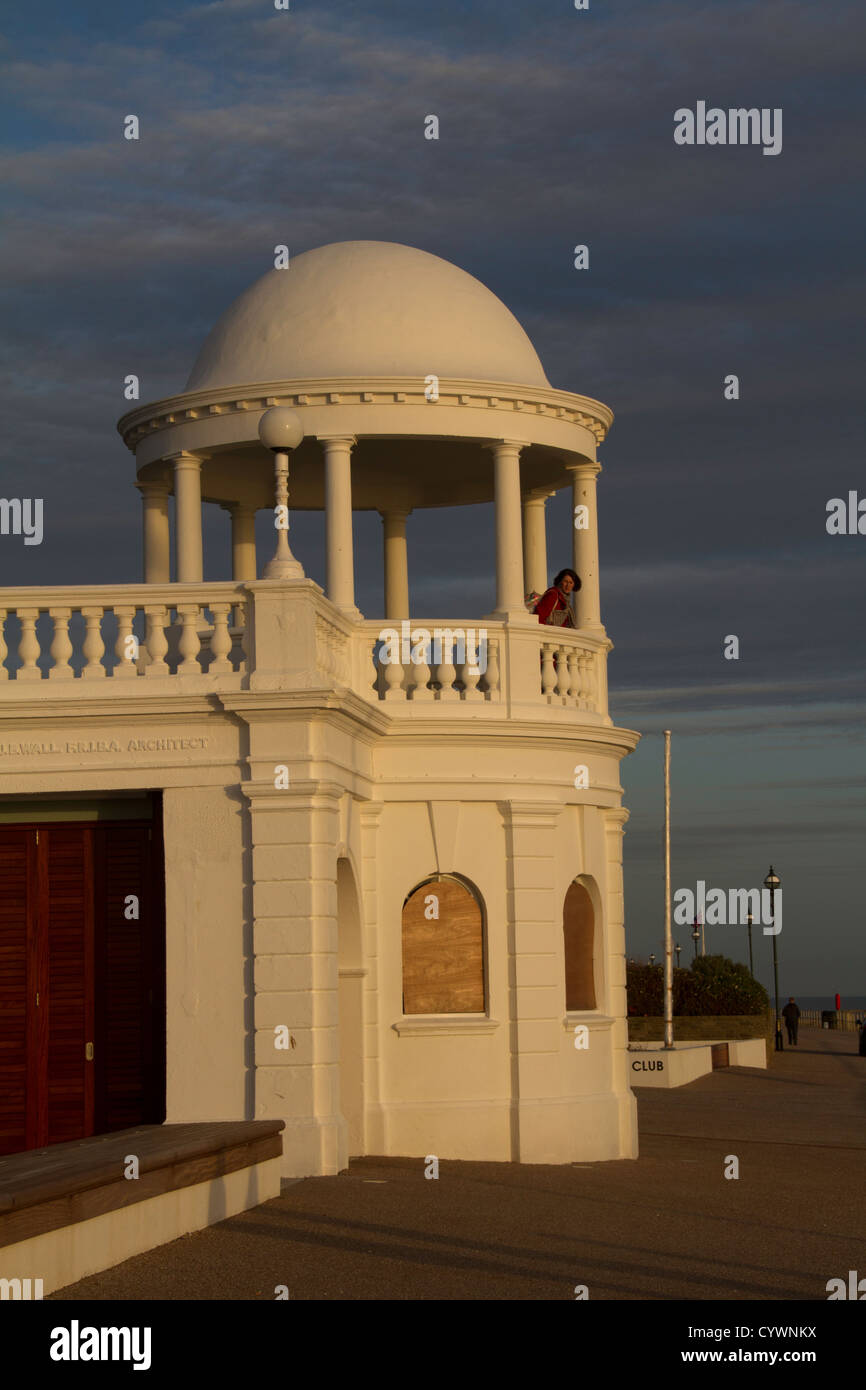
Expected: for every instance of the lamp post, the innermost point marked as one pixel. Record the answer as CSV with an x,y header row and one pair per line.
x,y
678,948
751,966
281,430
696,936
772,882
652,958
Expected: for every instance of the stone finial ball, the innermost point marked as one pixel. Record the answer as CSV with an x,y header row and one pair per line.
x,y
280,429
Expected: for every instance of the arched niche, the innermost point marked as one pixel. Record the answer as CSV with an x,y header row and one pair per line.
x,y
443,948
578,927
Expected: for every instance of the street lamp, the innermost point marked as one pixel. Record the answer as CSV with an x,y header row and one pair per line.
x,y
281,430
696,936
772,881
652,959
751,966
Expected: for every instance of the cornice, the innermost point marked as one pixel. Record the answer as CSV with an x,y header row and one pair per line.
x,y
343,705
506,731
116,706
503,398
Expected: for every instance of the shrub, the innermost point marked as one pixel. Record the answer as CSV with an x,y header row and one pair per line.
x,y
711,985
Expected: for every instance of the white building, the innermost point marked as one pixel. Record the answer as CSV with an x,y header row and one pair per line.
x,y
257,873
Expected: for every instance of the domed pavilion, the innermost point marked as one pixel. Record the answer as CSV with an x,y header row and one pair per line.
x,y
378,856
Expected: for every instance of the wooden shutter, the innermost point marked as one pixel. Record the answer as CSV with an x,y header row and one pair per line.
x,y
75,970
578,925
443,957
17,884
65,926
128,958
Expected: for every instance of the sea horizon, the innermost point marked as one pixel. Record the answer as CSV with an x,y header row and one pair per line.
x,y
828,1001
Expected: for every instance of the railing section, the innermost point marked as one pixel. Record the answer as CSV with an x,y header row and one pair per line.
x,y
463,662
152,631
122,633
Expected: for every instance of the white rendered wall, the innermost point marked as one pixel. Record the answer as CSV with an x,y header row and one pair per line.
x,y
207,944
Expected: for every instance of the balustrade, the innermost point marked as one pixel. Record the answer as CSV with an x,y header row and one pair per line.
x,y
153,631
422,678
199,632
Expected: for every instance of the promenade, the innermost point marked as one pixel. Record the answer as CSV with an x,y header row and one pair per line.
x,y
667,1225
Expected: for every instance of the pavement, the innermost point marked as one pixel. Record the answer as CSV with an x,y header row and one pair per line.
x,y
667,1225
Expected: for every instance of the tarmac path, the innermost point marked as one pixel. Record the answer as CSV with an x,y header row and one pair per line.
x,y
667,1225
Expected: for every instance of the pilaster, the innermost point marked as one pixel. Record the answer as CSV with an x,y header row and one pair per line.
x,y
535,980
295,968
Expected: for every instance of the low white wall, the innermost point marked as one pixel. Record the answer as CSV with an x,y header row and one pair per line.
x,y
71,1253
650,1064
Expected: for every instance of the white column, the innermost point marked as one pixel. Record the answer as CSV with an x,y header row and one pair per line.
x,y
187,538
157,545
396,565
338,521
585,542
509,539
535,542
243,540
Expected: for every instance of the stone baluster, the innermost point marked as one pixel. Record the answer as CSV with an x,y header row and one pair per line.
x,y
126,646
190,643
548,670
94,647
583,692
378,668
221,642
560,665
573,676
446,673
4,650
491,675
61,646
392,678
156,642
589,682
28,648
470,671
241,635
420,677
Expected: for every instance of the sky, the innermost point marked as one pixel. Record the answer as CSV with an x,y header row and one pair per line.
x,y
305,126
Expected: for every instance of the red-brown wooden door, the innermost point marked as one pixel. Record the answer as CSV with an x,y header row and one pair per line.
x,y
129,973
62,1095
17,893
81,981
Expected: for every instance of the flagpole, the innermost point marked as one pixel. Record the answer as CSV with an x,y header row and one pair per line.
x,y
669,946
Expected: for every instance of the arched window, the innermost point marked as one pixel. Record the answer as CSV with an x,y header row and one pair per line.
x,y
443,949
578,926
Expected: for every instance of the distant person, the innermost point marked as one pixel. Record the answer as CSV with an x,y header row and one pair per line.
x,y
791,1015
554,608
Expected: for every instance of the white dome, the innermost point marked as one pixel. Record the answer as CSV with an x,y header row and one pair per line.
x,y
366,309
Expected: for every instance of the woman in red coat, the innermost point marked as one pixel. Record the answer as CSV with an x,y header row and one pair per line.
x,y
553,606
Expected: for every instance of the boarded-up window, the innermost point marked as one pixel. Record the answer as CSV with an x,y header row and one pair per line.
x,y
443,950
578,923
